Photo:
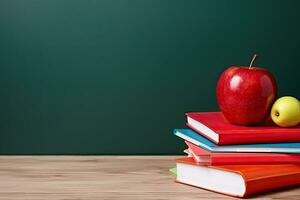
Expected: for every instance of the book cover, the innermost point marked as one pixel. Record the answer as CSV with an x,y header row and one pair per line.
x,y
215,127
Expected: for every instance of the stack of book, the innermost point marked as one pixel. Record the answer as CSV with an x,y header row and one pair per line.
x,y
237,160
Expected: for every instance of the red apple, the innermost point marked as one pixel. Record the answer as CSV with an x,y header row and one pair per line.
x,y
245,94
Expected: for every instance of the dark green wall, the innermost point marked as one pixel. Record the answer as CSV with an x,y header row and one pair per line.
x,y
116,76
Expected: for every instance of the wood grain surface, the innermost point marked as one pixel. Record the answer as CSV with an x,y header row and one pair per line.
x,y
101,177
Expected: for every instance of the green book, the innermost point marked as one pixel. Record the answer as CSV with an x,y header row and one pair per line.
x,y
173,170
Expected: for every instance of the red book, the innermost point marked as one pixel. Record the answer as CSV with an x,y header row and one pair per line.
x,y
216,128
204,157
237,180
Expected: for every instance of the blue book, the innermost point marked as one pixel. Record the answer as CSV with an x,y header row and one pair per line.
x,y
199,140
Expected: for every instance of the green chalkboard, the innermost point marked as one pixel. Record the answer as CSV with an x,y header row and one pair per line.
x,y
116,76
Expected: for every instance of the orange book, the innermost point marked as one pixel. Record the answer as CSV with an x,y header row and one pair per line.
x,y
237,180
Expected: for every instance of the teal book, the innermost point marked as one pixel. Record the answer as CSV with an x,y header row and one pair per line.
x,y
199,140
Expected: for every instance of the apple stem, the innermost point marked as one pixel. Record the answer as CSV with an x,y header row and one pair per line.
x,y
252,61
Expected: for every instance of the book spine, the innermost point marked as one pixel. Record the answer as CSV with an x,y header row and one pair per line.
x,y
246,160
271,183
251,138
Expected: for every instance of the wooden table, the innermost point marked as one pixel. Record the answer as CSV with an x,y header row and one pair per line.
x,y
101,177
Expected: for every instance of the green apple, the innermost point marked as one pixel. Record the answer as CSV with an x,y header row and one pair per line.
x,y
285,111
